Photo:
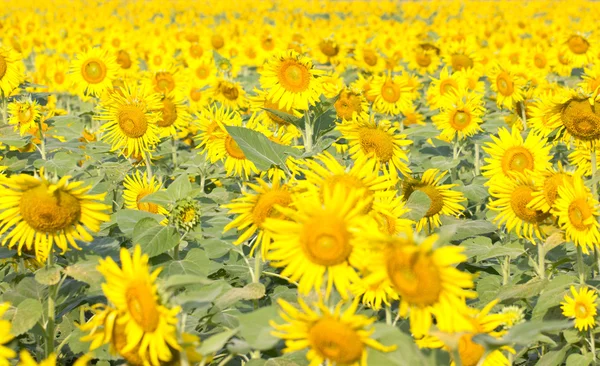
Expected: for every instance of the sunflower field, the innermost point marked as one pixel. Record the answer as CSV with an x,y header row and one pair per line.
x,y
302,182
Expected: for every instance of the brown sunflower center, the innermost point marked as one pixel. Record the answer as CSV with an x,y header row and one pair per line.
x,y
59,77
373,140
3,66
293,76
329,48
93,71
202,72
123,59
579,212
169,113
580,120
195,94
519,200
581,310
460,120
347,104
142,305
461,61
325,239
423,59
447,85
164,82
265,203
336,341
132,121
25,114
415,276
229,91
233,149
578,45
370,57
49,212
517,159
196,50
390,92
505,84
470,353
217,41
539,60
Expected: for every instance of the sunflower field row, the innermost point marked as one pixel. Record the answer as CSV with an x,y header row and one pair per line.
x,y
320,182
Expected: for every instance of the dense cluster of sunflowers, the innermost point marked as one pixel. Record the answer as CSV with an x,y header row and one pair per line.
x,y
299,183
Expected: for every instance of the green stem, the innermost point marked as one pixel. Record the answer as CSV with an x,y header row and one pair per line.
x,y
580,265
174,152
257,266
388,315
50,330
307,132
148,165
42,139
541,261
225,360
593,346
523,116
506,271
477,159
176,252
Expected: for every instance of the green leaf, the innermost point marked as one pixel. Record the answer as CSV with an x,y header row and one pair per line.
x,y
48,275
127,219
513,249
216,342
523,291
406,353
154,238
418,203
323,123
255,328
263,152
577,359
552,295
185,280
70,127
554,358
85,271
469,228
522,334
196,263
296,121
11,137
180,188
480,245
252,291
25,315
161,198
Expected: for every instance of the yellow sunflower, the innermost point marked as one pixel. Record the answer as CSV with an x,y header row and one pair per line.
x,y
580,49
136,323
229,93
350,101
389,211
460,115
92,72
27,360
581,158
509,154
11,70
438,88
43,213
166,80
211,122
291,80
138,186
578,115
315,242
444,201
261,103
582,307
131,117
546,191
392,94
425,278
512,200
333,336
5,337
577,213
255,207
378,140
508,86
541,119
175,115
24,115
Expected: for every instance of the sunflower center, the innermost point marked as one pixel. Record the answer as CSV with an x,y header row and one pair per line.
x,y
195,94
229,91
202,72
423,59
169,113
264,206
347,104
164,82
146,206
437,201
267,43
49,212
447,85
329,48
580,120
373,140
217,41
25,114
390,92
3,66
416,277
505,84
188,215
519,199
157,59
517,159
370,57
326,240
132,121
581,310
578,45
460,61
336,341
460,120
123,59
196,50
539,61
93,71
579,212
470,353
293,76
550,187
59,77
233,149
142,305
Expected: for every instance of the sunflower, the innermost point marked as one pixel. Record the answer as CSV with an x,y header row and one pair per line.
x,y
508,86
136,323
444,201
591,79
11,70
43,212
166,80
24,115
578,115
438,88
260,104
229,93
577,212
542,119
581,158
324,171
378,140
368,58
211,122
27,360
389,211
580,49
314,243
512,201
138,186
425,59
5,337
175,115
462,55
460,115
425,278
332,336
56,75
582,307
471,353
291,80
509,154
92,72
391,94
255,207
131,119
350,101
546,192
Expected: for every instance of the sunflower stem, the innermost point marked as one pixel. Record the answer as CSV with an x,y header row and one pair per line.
x,y
476,159
42,140
174,152
523,116
593,346
257,266
388,315
307,132
4,113
50,331
580,265
148,165
506,271
541,261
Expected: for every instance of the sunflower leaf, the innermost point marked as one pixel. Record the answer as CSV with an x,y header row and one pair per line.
x,y
216,342
25,315
154,238
289,118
